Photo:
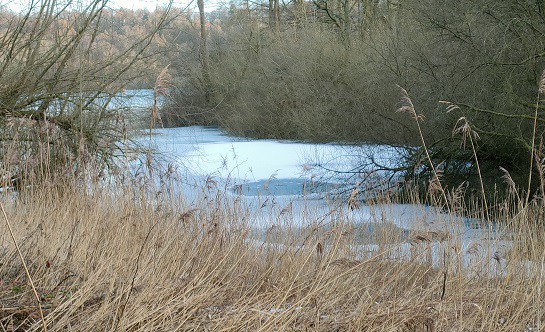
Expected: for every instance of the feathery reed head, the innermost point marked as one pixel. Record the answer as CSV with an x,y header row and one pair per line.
x,y
542,83
162,83
463,127
408,106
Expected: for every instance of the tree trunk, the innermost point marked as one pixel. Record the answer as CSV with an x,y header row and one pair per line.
x,y
274,14
346,22
299,7
203,52
271,14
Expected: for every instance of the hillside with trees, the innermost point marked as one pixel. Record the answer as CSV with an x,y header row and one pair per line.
x,y
329,71
95,236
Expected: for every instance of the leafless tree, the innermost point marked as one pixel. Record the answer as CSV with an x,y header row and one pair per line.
x,y
58,107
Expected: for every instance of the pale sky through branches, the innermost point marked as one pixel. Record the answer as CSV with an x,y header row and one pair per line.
x,y
148,4
17,5
152,4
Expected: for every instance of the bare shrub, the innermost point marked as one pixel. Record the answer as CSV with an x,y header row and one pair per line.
x,y
60,105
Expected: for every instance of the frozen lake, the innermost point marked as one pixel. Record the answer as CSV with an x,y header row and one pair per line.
x,y
290,173
266,167
283,182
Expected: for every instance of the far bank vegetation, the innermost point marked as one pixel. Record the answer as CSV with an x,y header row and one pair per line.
x,y
327,70
87,243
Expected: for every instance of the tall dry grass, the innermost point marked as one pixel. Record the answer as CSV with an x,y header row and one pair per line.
x,y
135,262
131,257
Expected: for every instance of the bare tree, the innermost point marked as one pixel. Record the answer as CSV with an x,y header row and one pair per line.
x,y
203,51
57,88
274,14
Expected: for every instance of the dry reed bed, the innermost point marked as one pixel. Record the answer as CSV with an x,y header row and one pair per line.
x,y
134,263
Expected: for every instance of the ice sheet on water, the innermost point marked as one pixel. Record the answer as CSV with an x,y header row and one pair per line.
x,y
207,151
270,177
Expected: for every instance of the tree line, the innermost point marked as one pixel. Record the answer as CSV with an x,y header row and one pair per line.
x,y
329,70
321,71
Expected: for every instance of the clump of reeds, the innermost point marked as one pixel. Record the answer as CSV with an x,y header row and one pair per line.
x,y
137,260
160,89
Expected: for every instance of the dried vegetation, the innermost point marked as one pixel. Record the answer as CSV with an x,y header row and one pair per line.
x,y
135,262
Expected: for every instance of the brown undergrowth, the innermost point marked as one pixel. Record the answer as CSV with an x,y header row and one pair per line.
x,y
135,262
131,257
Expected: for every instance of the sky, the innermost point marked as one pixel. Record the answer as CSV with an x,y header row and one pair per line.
x,y
152,4
130,4
148,4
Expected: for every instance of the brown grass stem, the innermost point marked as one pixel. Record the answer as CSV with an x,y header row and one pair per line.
x,y
160,88
31,282
532,150
408,107
463,127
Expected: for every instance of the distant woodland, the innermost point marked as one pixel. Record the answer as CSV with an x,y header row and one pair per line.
x,y
321,71
331,70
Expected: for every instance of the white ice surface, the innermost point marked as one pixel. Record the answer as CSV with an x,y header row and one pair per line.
x,y
208,152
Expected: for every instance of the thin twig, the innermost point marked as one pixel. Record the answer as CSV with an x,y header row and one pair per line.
x,y
136,268
25,267
532,151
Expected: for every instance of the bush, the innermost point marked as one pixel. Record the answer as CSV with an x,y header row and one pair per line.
x,y
58,90
304,82
309,87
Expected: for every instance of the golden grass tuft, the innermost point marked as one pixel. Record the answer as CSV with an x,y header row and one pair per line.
x,y
125,257
131,262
